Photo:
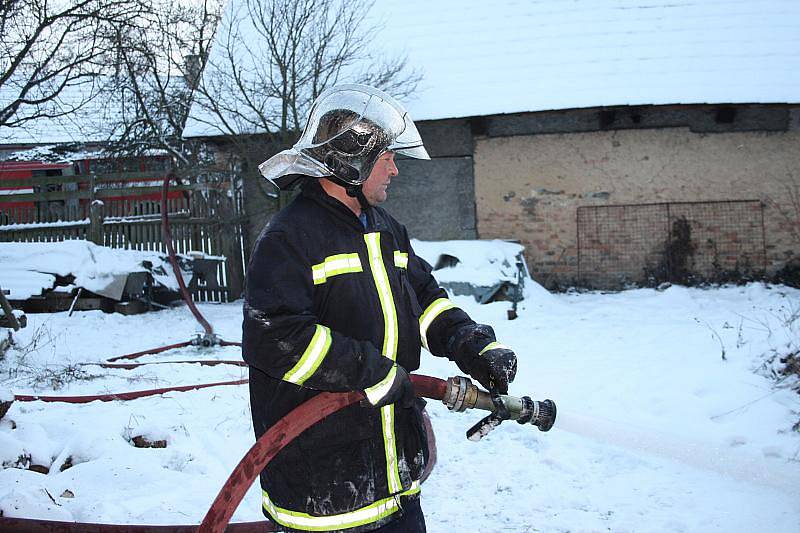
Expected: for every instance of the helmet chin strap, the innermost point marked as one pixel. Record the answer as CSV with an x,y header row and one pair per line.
x,y
353,191
343,174
357,192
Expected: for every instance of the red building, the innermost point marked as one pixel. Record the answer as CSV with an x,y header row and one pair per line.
x,y
21,180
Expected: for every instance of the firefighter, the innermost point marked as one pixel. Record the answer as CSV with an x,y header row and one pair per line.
x,y
337,300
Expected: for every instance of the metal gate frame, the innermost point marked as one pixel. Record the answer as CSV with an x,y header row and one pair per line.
x,y
670,216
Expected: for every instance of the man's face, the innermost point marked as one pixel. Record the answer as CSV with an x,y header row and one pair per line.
x,y
374,188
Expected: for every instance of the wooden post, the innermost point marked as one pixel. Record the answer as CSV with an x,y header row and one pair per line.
x,y
96,222
9,313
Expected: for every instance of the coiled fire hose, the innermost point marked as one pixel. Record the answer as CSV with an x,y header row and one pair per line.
x,y
458,394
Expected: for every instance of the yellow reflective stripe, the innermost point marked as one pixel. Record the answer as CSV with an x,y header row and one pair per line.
x,y
390,328
384,293
335,265
400,259
492,346
381,388
437,307
366,515
390,445
312,357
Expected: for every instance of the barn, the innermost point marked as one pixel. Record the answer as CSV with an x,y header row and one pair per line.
x,y
629,142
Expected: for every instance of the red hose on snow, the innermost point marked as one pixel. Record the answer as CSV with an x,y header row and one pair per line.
x,y
132,395
152,351
28,525
241,479
167,237
281,434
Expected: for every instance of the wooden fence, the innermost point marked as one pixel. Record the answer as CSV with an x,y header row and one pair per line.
x,y
123,210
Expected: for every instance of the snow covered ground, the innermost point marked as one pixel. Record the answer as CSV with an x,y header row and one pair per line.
x,y
656,432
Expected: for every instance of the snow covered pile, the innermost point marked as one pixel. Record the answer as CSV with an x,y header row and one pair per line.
x,y
476,267
479,262
29,268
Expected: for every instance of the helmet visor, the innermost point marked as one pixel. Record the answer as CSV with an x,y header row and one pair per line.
x,y
409,142
347,116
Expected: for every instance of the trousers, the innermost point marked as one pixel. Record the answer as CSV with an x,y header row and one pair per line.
x,y
411,521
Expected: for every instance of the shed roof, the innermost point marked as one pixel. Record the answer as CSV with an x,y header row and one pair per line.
x,y
95,113
86,124
508,56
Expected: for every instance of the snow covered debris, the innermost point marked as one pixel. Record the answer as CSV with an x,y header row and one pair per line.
x,y
29,268
479,262
480,268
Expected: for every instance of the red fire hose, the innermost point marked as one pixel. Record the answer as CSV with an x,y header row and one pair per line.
x,y
160,349
167,236
279,435
132,395
243,476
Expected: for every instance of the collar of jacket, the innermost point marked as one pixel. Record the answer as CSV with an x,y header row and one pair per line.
x,y
313,190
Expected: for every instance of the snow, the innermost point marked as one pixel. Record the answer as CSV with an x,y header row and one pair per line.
x,y
87,123
43,225
482,58
28,268
482,263
655,430
53,152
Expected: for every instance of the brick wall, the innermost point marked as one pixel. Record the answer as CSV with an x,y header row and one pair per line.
x,y
529,187
687,243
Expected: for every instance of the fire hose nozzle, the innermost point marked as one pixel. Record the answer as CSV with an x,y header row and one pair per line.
x,y
461,394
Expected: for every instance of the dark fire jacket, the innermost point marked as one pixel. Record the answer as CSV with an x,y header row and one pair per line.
x,y
329,306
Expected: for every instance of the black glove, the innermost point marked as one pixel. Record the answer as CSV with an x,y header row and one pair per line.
x,y
476,352
495,367
396,387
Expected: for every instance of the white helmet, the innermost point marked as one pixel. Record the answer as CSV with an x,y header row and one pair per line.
x,y
349,127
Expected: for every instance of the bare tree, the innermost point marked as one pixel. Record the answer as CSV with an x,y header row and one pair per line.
x,y
54,53
276,56
160,60
270,60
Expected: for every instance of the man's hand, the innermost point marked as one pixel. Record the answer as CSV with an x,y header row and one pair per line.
x,y
396,387
495,367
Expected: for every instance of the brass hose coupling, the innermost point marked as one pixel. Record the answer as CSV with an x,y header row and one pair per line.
x,y
461,394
